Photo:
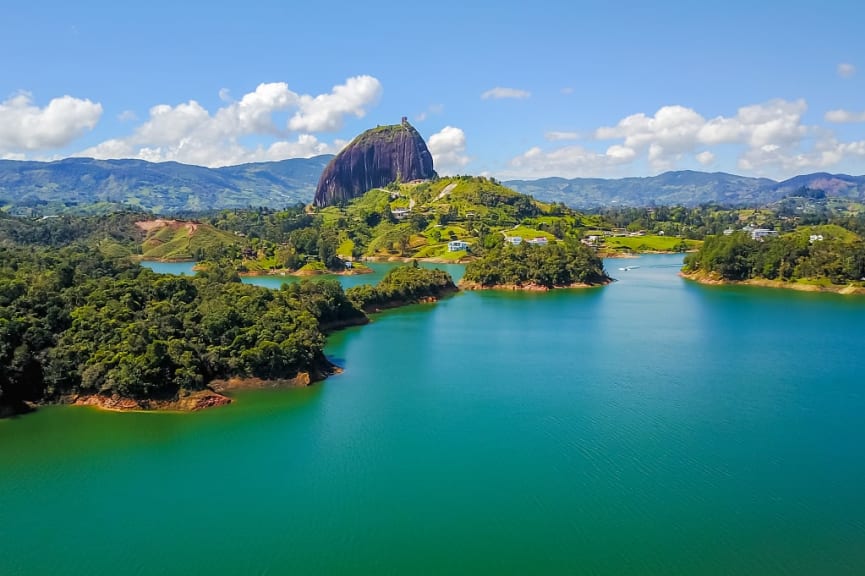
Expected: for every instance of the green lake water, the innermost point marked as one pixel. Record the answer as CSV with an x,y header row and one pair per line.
x,y
653,426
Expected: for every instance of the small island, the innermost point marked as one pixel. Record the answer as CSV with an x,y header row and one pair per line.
x,y
536,267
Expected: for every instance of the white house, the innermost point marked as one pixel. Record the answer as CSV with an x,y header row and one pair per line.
x,y
816,238
539,241
515,240
761,233
457,245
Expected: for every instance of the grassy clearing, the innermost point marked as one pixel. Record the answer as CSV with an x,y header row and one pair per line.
x,y
528,233
346,248
829,232
824,282
651,243
181,241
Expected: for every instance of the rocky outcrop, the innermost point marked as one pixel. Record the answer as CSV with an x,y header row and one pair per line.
x,y
189,402
375,158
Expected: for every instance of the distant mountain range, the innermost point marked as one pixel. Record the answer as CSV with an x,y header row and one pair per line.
x,y
165,187
83,184
686,188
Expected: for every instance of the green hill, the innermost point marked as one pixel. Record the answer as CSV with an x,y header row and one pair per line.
x,y
420,219
185,240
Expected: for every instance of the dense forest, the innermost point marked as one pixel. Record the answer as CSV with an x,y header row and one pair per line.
x,y
789,257
547,266
77,319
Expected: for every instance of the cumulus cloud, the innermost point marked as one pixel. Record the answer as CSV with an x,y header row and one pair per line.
x,y
770,138
846,70
448,148
555,136
826,152
190,133
499,93
325,112
569,161
676,130
26,126
844,116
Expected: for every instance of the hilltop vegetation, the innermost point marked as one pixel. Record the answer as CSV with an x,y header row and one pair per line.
x,y
420,219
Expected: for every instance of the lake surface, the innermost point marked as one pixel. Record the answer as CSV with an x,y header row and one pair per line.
x,y
653,426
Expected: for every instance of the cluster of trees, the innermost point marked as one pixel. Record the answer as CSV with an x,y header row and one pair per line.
x,y
788,257
73,321
77,320
405,284
270,225
549,266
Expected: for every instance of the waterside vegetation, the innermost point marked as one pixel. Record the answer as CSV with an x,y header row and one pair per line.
x,y
810,258
82,324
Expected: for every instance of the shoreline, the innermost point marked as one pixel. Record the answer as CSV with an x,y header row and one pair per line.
x,y
530,287
711,280
217,393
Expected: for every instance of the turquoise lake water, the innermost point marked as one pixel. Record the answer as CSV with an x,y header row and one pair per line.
x,y
653,426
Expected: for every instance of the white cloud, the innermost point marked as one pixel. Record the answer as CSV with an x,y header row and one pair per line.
x,y
499,93
190,133
846,70
555,136
826,152
448,148
676,130
844,116
705,157
25,126
325,112
770,139
568,161
567,90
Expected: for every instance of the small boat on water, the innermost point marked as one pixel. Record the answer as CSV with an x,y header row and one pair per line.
x,y
626,268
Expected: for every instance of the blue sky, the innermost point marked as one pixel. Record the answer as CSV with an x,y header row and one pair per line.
x,y
509,89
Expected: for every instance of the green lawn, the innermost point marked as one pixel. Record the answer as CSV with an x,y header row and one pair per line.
x,y
650,243
528,233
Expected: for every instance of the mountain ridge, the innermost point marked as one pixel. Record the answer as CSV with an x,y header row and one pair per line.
x,y
685,187
162,187
81,184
